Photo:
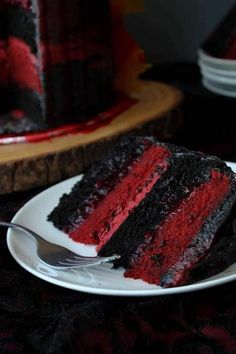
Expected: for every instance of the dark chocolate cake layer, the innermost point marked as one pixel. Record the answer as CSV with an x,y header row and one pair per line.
x,y
60,51
161,214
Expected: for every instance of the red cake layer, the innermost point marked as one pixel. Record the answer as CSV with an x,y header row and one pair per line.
x,y
18,65
163,248
112,211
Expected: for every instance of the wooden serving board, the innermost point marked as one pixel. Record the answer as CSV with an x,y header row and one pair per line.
x,y
29,165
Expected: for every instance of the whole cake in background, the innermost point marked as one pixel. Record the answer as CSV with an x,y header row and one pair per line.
x,y
161,207
55,62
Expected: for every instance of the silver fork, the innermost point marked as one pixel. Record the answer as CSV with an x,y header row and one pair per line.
x,y
58,257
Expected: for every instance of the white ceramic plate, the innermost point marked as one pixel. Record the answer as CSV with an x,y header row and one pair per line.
x,y
97,280
217,72
220,88
217,63
225,80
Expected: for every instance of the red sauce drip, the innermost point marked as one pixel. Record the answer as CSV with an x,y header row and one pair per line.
x,y
167,244
101,120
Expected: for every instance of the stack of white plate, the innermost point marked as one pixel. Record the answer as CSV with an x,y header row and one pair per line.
x,y
219,75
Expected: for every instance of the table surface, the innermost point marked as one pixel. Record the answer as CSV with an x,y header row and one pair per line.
x,y
38,317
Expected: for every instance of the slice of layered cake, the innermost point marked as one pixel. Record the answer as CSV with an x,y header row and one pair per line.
x,y
55,62
157,205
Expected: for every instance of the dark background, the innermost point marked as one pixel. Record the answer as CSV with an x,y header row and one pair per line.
x,y
209,120
173,30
